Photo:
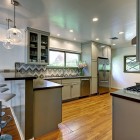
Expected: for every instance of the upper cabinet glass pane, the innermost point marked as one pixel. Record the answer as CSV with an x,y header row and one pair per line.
x,y
56,58
72,59
33,47
44,49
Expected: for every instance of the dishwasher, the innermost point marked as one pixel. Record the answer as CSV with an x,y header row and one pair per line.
x,y
85,87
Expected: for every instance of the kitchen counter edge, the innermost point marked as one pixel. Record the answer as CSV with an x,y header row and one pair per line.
x,y
127,96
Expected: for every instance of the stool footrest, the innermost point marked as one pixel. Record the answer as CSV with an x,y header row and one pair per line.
x,y
6,97
3,85
5,137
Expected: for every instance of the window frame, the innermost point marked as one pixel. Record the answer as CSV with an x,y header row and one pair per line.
x,y
64,51
125,57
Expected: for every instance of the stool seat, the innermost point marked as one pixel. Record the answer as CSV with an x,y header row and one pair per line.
x,y
3,90
3,85
6,97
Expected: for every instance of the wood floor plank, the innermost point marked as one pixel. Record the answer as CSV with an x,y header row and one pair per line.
x,y
85,119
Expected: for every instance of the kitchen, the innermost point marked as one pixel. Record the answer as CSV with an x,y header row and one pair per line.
x,y
73,32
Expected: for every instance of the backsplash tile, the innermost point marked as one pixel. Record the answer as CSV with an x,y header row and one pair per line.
x,y
42,71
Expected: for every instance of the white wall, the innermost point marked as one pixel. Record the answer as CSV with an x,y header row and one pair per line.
x,y
62,44
119,78
17,54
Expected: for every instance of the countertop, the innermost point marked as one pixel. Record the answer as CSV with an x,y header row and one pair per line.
x,y
126,95
44,84
66,77
16,76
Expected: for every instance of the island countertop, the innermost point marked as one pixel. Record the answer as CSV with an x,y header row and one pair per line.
x,y
126,95
44,84
15,76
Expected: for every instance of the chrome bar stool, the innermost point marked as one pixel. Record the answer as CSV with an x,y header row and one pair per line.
x,y
4,97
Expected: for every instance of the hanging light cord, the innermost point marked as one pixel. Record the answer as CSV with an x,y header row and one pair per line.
x,y
14,15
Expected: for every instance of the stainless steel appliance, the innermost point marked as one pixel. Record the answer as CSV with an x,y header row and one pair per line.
x,y
103,70
85,87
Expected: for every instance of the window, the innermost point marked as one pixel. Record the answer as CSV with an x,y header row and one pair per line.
x,y
63,59
130,64
56,58
72,59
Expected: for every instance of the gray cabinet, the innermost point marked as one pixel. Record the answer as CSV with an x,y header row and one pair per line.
x,y
71,89
37,46
66,91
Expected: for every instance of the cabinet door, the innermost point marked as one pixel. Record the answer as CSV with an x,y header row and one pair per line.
x,y
33,56
44,48
94,85
109,54
94,69
75,90
105,52
66,92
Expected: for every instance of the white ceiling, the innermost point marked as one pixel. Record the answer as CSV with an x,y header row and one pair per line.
x,y
59,16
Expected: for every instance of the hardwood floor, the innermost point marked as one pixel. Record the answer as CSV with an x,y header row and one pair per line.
x,y
85,119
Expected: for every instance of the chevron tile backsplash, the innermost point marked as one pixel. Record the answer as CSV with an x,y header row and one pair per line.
x,y
42,71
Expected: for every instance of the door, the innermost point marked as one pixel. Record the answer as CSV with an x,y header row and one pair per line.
x,y
75,90
103,75
66,91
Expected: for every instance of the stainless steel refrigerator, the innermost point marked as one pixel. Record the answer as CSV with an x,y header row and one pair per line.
x,y
103,70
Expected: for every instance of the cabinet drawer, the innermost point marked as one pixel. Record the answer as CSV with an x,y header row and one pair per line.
x,y
71,81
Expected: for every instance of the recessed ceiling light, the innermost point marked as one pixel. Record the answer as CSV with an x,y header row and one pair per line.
x,y
71,31
113,44
97,39
58,34
121,33
95,19
102,46
74,38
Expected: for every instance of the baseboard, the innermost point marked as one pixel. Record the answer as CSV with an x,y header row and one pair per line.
x,y
17,124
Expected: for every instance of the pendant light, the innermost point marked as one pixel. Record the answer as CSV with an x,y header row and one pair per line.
x,y
14,33
7,43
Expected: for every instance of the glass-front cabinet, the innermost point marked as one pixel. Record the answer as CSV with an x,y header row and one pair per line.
x,y
37,46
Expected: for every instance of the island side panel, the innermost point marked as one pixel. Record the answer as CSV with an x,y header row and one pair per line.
x,y
126,119
47,110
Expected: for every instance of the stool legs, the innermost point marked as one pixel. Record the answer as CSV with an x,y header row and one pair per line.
x,y
2,125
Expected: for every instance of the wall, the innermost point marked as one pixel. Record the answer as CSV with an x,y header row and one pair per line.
x,y
17,54
119,78
57,43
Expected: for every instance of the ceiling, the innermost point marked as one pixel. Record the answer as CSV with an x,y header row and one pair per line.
x,y
59,16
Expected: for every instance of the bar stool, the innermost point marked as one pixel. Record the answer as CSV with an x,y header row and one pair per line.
x,y
4,98
2,90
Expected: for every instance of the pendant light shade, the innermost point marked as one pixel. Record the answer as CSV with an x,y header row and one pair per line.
x,y
13,33
8,43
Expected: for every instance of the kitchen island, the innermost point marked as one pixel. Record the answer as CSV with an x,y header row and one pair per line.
x,y
126,115
24,105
